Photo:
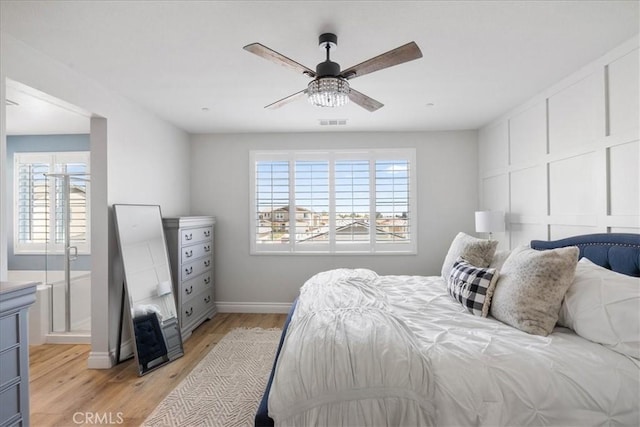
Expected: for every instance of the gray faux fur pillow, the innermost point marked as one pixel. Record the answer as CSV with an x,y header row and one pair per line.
x,y
478,252
531,287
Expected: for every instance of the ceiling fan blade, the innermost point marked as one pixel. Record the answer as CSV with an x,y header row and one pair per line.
x,y
402,54
286,100
278,58
364,101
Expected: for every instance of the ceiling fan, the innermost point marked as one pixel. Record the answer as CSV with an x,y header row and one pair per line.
x,y
330,85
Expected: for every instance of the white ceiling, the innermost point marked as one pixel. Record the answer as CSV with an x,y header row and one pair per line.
x,y
180,58
31,112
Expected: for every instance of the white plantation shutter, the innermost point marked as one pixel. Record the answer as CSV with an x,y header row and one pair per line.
x,y
31,201
333,201
271,199
40,201
311,201
393,217
78,204
353,200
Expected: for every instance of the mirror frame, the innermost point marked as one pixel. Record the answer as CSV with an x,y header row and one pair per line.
x,y
149,320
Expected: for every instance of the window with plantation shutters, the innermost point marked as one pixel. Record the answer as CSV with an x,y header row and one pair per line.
x,y
338,201
44,201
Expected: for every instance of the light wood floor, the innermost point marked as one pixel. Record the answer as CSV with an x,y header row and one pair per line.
x,y
65,393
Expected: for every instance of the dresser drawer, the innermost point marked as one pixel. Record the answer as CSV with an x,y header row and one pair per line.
x,y
193,310
171,329
189,253
192,269
193,235
193,287
10,408
9,328
171,334
9,366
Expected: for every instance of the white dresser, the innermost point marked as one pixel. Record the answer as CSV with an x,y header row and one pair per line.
x,y
15,299
190,244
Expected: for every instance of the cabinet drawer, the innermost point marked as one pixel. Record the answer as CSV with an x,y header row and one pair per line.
x,y
193,287
171,329
193,235
10,405
192,269
9,366
9,327
171,334
193,310
189,253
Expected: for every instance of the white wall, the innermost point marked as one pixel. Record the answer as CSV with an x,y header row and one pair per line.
x,y
447,198
567,161
135,158
3,180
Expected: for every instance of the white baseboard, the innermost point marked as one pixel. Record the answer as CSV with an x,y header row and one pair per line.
x,y
99,360
253,307
67,338
126,351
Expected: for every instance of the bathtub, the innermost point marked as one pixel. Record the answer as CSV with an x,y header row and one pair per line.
x,y
47,329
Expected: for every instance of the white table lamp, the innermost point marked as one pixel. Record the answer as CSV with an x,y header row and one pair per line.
x,y
163,288
489,221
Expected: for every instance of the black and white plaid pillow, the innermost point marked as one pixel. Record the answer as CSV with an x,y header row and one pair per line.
x,y
472,286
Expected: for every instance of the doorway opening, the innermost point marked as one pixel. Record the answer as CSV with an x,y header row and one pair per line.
x,y
48,229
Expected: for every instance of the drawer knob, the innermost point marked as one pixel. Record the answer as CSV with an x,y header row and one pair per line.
x,y
189,270
207,248
207,299
189,291
189,312
188,253
207,233
188,236
207,262
207,280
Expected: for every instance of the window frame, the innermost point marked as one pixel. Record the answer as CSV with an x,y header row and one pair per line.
x,y
52,158
372,246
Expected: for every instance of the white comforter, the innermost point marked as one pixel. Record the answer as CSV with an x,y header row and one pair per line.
x,y
372,350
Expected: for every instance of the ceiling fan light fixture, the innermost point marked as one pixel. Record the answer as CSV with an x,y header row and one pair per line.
x,y
328,92
330,84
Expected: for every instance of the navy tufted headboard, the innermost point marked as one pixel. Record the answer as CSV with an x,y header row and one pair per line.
x,y
619,252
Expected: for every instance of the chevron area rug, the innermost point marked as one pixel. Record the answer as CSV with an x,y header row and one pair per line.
x,y
225,388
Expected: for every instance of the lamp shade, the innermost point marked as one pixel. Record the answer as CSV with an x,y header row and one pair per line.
x,y
489,221
163,288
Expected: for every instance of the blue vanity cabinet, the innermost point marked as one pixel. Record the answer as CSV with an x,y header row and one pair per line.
x,y
15,299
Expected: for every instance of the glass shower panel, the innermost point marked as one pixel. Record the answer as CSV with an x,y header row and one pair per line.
x,y
70,285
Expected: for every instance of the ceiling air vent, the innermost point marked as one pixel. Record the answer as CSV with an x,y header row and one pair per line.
x,y
332,122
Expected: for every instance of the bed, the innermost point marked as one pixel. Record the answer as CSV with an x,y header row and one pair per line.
x,y
363,349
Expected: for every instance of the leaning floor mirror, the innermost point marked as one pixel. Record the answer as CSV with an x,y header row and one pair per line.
x,y
147,278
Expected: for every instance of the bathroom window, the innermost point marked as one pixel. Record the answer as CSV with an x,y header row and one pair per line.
x,y
51,202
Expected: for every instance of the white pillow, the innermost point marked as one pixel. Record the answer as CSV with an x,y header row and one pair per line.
x,y
478,252
604,306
